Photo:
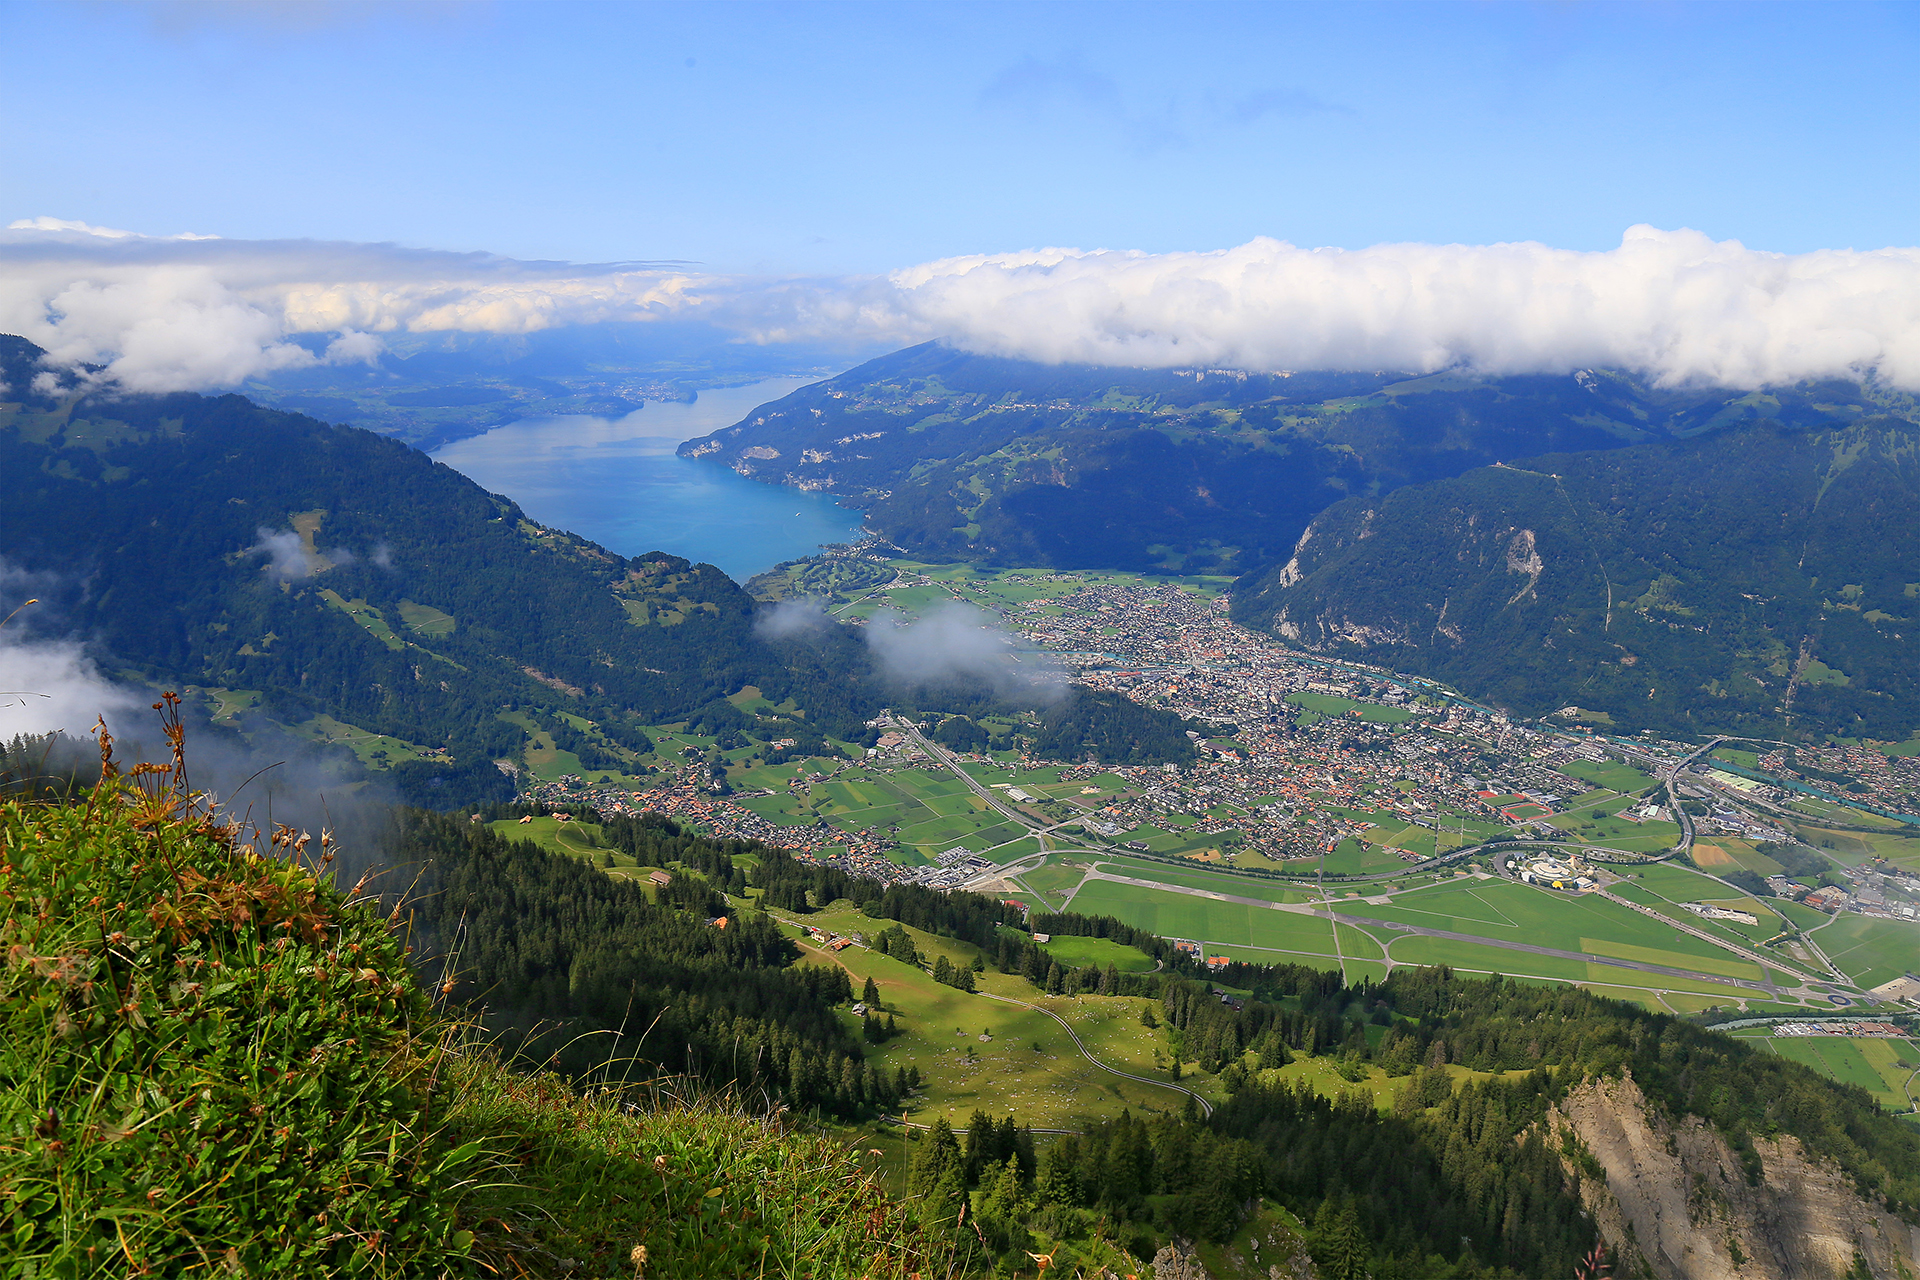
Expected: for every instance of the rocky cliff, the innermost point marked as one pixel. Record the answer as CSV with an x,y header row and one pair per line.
x,y
1672,1198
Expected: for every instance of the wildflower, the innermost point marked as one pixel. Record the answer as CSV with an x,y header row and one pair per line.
x,y
639,1259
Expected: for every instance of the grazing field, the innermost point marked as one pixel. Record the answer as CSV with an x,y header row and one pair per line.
x,y
1871,951
1027,1063
1610,774
1081,952
1873,1065
1224,924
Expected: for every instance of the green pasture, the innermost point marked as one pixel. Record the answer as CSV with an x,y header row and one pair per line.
x,y
1053,877
1352,858
1476,957
1512,912
1610,774
425,620
1326,704
228,704
1100,952
1222,924
1224,882
1873,1065
1871,951
374,750
1049,1086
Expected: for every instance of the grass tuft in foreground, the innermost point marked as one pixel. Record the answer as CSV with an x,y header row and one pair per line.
x,y
214,1062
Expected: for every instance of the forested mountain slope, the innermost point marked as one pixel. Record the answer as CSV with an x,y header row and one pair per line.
x,y
212,541
1756,579
331,571
979,458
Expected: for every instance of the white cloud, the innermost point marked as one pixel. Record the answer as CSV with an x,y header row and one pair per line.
x,y
957,642
187,313
173,314
1674,305
51,684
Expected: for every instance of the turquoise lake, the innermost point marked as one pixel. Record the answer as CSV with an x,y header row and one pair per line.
x,y
616,481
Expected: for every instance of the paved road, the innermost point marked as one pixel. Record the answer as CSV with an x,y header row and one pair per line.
x,y
1420,931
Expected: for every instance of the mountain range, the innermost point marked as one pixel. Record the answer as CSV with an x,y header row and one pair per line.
x,y
300,570
1675,558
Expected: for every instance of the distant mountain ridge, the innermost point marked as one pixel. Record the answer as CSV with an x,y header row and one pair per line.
x,y
1418,521
1761,579
964,457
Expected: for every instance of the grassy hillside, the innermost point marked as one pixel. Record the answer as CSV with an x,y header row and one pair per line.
x,y
217,1063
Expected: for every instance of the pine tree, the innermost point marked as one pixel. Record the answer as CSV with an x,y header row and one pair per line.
x,y
1001,1203
1337,1243
870,994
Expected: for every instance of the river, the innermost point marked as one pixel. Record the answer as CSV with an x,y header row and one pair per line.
x,y
617,481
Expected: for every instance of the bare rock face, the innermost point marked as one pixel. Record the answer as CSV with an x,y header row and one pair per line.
x,y
1676,1204
1175,1262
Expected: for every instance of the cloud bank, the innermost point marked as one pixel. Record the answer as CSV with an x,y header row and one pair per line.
x,y
161,314
1673,305
51,684
190,313
956,642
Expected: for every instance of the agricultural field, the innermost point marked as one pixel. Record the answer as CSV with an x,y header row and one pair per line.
x,y
1870,951
927,812
999,589
1718,853
1593,818
1322,706
1611,775
1026,1063
1224,928
1855,847
1882,1067
1666,885
1101,952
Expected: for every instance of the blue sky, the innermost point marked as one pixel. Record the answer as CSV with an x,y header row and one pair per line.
x,y
853,139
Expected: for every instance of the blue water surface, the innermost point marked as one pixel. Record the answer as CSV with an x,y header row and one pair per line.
x,y
616,481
